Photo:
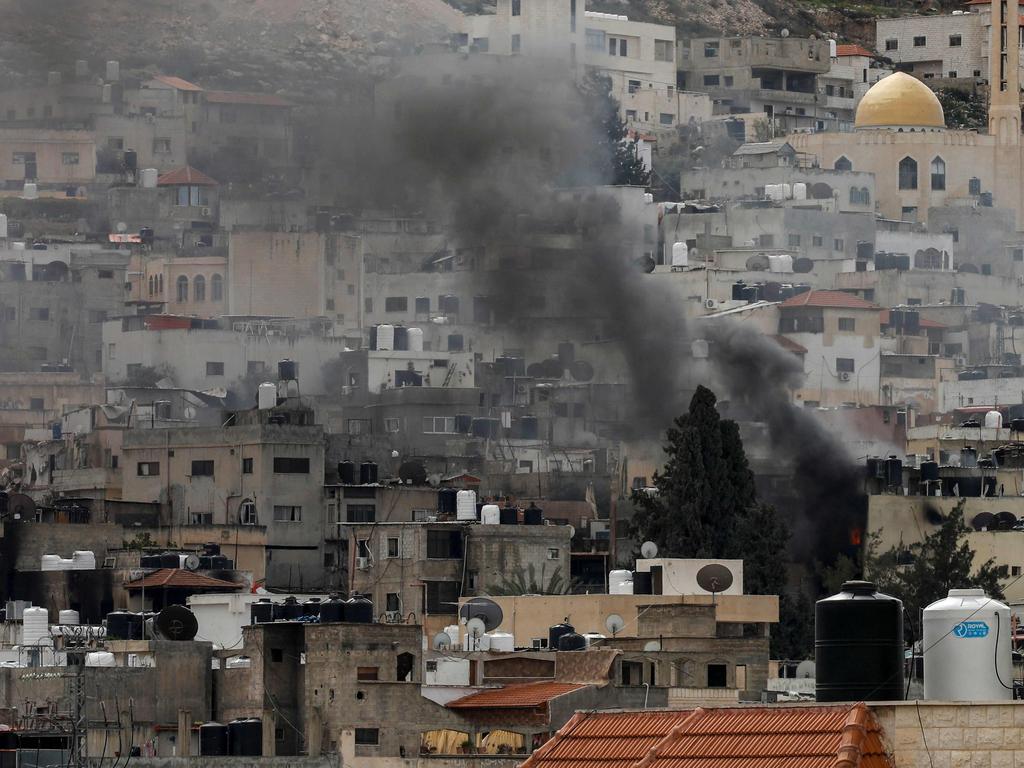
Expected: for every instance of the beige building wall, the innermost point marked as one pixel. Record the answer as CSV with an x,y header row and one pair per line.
x,y
61,157
195,285
936,57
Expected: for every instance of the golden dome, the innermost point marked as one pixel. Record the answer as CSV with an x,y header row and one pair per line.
x,y
899,101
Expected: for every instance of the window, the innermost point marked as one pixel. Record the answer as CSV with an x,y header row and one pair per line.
x,y
595,40
938,174
727,80
845,365
952,74
920,41
794,241
666,118
287,514
710,80
633,86
288,465
247,466
182,289
955,41
361,513
843,164
517,44
69,158
216,288
444,545
717,675
630,114
36,404
367,737
392,602
664,50
553,553
422,304
358,426
393,548
39,313
23,158
214,369
367,673
192,196
276,654
161,146
396,304
892,45
517,7
847,324
105,274
392,425
817,241
1015,570
199,288
438,425
838,244
442,596
974,186
202,468
711,50
908,173
147,468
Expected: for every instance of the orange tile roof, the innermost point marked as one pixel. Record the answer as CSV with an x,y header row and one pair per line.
x,y
744,737
176,578
852,49
185,175
177,82
241,97
515,696
883,318
836,299
789,345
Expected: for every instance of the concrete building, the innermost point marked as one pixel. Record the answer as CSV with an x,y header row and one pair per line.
x,y
181,210
854,70
942,46
52,158
187,285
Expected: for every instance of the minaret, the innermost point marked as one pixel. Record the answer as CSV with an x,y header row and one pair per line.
x,y
1004,73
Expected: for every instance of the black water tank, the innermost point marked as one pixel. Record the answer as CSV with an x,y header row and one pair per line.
x,y
358,610
221,563
170,560
556,632
642,583
373,337
289,610
213,740
737,291
367,473
1017,425
150,561
858,645
533,515
347,472
508,516
311,607
262,611
571,641
893,471
287,370
447,501
929,470
211,549
332,610
119,625
245,737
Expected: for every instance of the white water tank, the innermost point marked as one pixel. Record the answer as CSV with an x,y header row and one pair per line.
x,y
100,659
50,563
787,190
148,177
620,582
83,560
993,420
266,395
833,48
30,191
680,254
648,198
238,662
465,505
68,617
113,70
3,226
774,192
503,642
593,638
415,337
66,564
452,630
780,262
35,630
385,338
967,648
800,191
490,514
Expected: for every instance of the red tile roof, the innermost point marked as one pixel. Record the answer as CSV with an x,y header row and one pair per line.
x,y
853,50
789,345
176,578
515,696
828,299
883,318
746,737
177,82
240,97
186,175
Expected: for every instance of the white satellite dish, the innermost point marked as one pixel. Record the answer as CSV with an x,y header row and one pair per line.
x,y
476,627
614,623
121,227
192,563
805,669
652,645
442,641
649,550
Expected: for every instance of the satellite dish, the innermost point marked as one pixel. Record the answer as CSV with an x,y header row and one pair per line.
x,y
714,578
176,622
652,646
488,611
784,32
441,642
805,669
476,628
121,227
614,623
192,563
649,549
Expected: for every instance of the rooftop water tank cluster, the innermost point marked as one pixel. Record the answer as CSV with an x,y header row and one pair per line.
x,y
396,338
358,609
367,473
239,738
81,560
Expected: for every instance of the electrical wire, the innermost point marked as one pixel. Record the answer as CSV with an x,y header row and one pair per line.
x,y
995,653
924,738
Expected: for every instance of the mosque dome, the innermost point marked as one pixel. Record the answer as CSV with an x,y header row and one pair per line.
x,y
900,101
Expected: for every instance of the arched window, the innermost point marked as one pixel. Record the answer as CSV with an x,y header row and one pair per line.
x,y
182,289
865,195
152,284
160,284
199,288
908,173
938,174
843,164
216,288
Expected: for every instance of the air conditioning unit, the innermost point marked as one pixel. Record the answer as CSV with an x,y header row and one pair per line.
x,y
710,304
362,563
539,643
204,211
844,375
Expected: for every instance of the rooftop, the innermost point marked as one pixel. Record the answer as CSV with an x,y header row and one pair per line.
x,y
185,175
749,737
241,97
177,82
527,695
176,578
828,299
923,322
789,345
762,147
853,50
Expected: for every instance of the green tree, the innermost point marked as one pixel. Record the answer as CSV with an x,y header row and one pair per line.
x,y
963,110
921,573
614,158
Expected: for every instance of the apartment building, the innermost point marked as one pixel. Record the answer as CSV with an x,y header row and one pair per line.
x,y
856,69
947,46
